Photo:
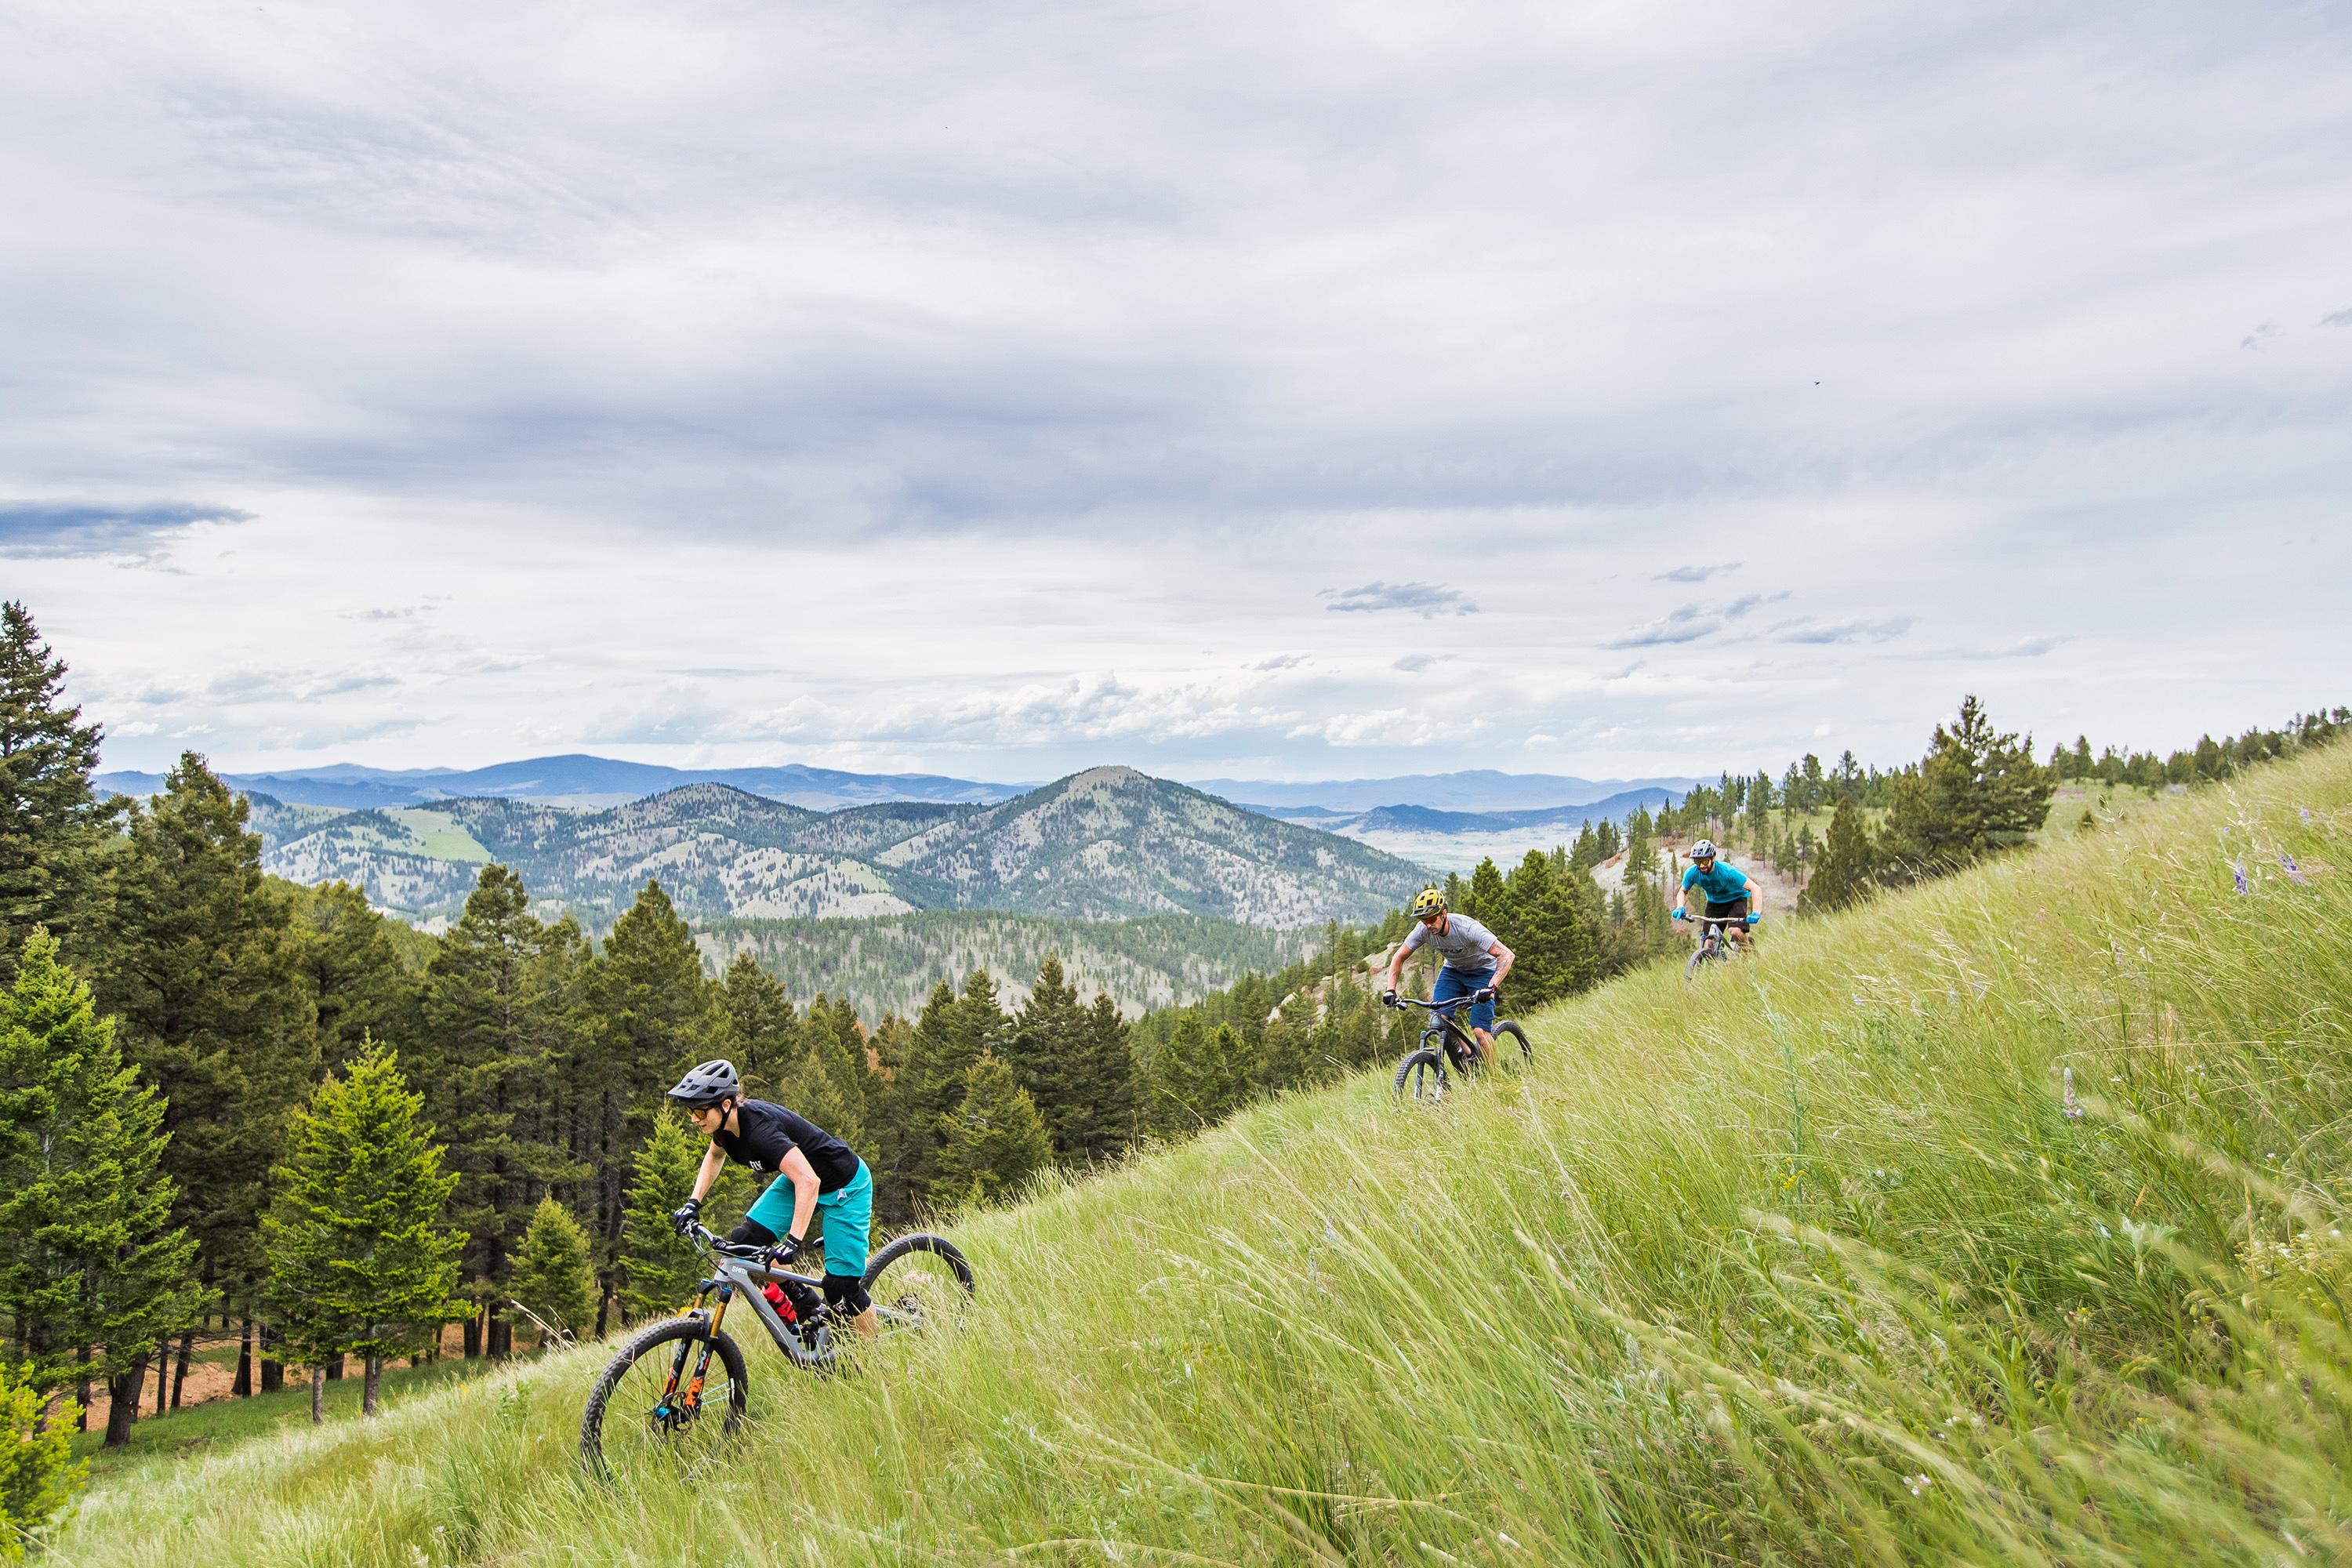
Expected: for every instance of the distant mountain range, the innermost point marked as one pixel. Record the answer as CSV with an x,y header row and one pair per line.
x,y
578,781
1565,819
595,782
1476,790
1107,844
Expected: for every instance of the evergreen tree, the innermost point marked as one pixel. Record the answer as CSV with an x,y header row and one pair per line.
x,y
826,1078
996,1140
1842,878
1490,901
37,1469
499,1007
756,1027
552,1280
1976,790
1181,1089
359,987
53,826
952,1033
659,1266
1556,946
88,1256
360,1263
203,968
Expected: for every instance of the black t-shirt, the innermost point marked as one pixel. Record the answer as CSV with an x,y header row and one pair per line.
x,y
770,1132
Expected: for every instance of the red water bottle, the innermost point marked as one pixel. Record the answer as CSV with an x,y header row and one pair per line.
x,y
779,1301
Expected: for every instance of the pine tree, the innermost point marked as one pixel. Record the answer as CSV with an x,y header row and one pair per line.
x,y
359,987
1488,901
1842,878
203,969
552,1280
952,1033
659,1266
499,1009
996,1140
1180,1093
53,826
37,1469
360,1263
655,1017
1976,790
824,1079
756,1029
88,1256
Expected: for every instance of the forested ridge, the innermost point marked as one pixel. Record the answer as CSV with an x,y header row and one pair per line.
x,y
1107,844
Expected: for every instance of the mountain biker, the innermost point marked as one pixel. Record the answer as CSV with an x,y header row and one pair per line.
x,y
1730,895
819,1181
1475,964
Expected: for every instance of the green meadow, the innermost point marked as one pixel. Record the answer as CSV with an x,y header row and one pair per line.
x,y
1818,1261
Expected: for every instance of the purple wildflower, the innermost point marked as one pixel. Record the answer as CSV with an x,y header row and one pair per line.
x,y
2306,814
2238,875
2294,872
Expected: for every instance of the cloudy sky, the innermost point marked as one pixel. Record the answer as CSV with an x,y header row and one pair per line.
x,y
1303,390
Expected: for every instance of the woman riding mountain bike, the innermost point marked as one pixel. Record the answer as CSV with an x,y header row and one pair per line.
x,y
822,1189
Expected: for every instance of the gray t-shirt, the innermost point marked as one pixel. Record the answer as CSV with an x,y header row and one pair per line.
x,y
1463,943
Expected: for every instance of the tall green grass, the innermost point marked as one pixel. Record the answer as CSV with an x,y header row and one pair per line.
x,y
1804,1264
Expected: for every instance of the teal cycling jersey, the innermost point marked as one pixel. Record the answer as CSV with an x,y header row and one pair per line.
x,y
1721,883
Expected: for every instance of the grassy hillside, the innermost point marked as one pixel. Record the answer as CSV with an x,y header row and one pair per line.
x,y
1807,1265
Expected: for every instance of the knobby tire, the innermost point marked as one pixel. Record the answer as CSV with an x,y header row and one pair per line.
x,y
648,1340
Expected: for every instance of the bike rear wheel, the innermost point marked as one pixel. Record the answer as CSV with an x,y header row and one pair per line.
x,y
918,1280
1507,1030
644,1416
1422,1076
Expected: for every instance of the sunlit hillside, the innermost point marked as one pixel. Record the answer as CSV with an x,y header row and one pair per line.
x,y
1999,1221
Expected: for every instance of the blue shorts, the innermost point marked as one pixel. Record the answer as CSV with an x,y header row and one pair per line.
x,y
1452,982
843,1220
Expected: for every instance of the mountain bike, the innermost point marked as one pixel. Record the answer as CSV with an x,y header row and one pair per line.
x,y
1714,946
1447,1042
660,1407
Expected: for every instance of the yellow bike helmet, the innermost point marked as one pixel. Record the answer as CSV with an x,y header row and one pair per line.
x,y
1427,902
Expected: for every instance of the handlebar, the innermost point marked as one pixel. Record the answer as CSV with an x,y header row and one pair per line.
x,y
1404,1001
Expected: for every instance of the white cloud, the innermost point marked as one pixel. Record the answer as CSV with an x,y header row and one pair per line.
x,y
712,403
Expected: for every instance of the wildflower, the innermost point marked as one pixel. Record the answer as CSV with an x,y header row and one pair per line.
x,y
2294,872
2238,875
2306,814
1918,1483
2068,1106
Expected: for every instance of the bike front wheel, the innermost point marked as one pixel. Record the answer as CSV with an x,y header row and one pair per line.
x,y
1708,952
1422,1076
646,1414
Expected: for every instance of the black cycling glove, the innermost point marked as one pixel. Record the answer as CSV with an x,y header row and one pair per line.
x,y
683,1217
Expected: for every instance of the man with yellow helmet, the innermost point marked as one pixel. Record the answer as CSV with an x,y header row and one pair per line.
x,y
1475,962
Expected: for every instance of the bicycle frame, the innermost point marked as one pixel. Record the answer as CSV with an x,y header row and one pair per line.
x,y
1442,1025
733,1276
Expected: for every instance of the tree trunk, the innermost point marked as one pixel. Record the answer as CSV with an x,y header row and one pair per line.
x,y
81,1388
162,1370
474,1336
243,1387
317,1393
501,1335
180,1367
123,1402
367,1390
335,1368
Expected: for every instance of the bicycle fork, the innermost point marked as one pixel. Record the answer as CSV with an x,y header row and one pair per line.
x,y
692,1403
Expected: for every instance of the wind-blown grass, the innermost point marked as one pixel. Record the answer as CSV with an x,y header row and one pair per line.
x,y
1805,1263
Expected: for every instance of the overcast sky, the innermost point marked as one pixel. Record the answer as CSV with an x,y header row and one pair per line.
x,y
1303,390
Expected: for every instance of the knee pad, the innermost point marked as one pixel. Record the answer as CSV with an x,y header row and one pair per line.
x,y
753,1232
846,1293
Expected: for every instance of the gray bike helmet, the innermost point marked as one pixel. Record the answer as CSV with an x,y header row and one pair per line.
x,y
1702,850
707,1085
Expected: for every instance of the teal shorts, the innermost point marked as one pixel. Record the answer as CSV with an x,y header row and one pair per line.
x,y
843,1220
